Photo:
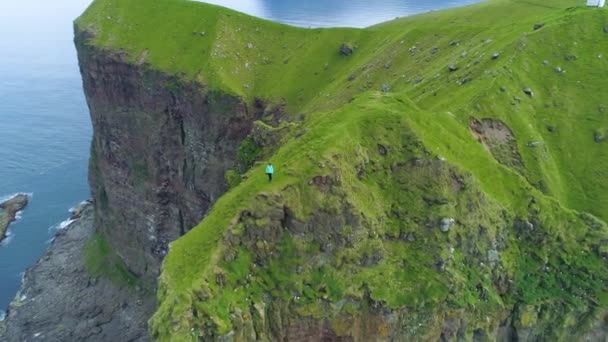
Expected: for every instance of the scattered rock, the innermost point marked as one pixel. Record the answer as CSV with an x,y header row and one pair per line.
x,y
446,224
382,150
452,68
559,70
346,49
324,183
455,43
249,45
534,144
77,211
440,264
571,58
517,99
432,201
409,237
387,66
352,77
464,54
551,129
495,55
528,91
538,26
493,256
464,81
503,89
220,279
545,62
434,50
300,133
601,109
598,137
385,88
202,33
522,225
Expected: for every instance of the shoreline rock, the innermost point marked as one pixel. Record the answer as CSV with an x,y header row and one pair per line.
x,y
60,301
77,211
9,210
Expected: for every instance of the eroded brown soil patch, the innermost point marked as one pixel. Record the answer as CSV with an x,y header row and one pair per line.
x,y
499,140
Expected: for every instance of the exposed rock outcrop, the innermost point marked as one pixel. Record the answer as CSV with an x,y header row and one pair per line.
x,y
9,210
60,301
160,149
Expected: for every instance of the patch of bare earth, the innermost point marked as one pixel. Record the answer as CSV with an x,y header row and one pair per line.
x,y
499,140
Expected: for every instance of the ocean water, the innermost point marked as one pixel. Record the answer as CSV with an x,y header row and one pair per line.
x,y
45,129
333,13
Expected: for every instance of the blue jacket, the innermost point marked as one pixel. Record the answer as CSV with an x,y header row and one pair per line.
x,y
269,169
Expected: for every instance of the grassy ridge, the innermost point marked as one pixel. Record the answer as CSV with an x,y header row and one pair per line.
x,y
303,68
423,113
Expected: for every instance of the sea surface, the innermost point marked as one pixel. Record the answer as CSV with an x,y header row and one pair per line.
x,y
45,129
333,13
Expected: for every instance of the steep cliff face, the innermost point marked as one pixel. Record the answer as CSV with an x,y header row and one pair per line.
x,y
435,185
160,150
376,238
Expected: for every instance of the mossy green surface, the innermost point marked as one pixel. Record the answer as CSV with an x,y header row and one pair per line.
x,y
100,261
387,130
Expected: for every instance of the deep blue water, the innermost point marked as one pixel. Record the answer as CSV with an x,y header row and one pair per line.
x,y
45,129
44,123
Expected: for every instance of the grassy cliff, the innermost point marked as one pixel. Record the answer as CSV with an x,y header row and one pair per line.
x,y
452,168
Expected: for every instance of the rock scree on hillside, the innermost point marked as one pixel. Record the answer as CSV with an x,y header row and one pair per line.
x,y
9,210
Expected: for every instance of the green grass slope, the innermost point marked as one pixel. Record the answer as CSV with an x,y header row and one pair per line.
x,y
387,148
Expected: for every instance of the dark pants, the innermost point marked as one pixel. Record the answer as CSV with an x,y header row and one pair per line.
x,y
269,177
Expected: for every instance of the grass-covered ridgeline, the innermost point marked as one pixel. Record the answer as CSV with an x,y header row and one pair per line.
x,y
381,151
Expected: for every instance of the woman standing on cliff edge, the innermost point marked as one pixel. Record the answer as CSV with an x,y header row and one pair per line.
x,y
269,171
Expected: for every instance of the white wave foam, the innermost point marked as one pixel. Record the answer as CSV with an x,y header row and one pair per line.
x,y
8,197
66,223
2,315
62,225
7,239
77,206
